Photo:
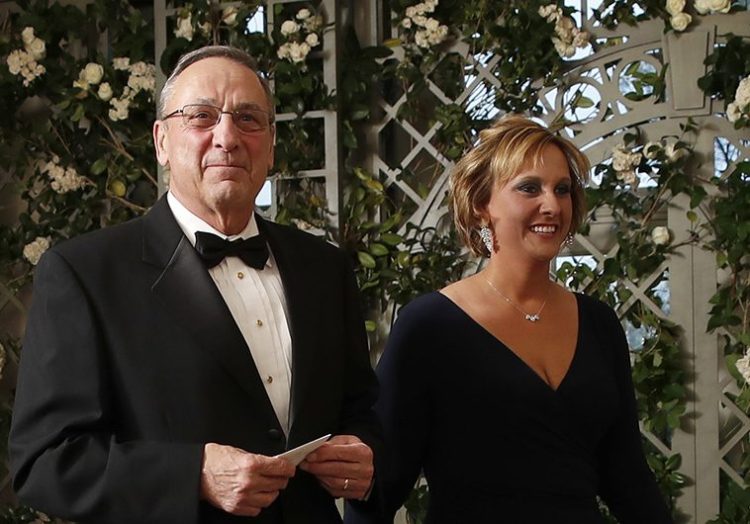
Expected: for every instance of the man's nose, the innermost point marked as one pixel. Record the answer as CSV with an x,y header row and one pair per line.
x,y
225,132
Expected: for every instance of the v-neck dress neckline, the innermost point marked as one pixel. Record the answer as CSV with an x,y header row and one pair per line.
x,y
525,365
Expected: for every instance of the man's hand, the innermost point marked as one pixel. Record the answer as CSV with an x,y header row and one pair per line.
x,y
343,465
239,482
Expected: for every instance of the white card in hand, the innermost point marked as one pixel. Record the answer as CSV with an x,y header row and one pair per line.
x,y
298,454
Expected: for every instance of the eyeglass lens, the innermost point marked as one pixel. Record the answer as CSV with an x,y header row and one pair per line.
x,y
206,116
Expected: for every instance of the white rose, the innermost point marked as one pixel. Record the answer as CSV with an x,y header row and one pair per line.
x,y
437,36
289,27
581,39
734,112
184,28
628,177
742,95
229,16
651,150
312,40
563,49
429,5
105,91
679,22
406,23
303,14
27,35
121,63
702,6
743,366
432,24
298,52
313,23
34,250
720,6
93,73
421,38
37,48
205,28
15,61
660,235
284,52
675,7
564,28
411,12
420,20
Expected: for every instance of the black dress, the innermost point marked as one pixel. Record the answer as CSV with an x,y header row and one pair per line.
x,y
497,444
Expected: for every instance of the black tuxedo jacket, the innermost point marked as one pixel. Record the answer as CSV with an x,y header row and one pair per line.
x,y
132,361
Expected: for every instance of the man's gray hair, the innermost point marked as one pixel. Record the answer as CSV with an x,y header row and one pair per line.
x,y
211,51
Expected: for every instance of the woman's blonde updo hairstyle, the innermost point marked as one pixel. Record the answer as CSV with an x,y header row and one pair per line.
x,y
502,151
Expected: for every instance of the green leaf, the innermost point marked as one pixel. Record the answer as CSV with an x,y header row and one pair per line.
x,y
379,250
99,166
366,260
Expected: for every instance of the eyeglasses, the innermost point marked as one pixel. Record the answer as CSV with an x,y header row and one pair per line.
x,y
205,117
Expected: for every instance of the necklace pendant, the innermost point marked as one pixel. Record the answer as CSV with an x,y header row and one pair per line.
x,y
532,318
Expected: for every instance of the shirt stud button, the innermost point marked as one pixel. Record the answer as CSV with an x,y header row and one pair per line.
x,y
240,275
269,379
259,322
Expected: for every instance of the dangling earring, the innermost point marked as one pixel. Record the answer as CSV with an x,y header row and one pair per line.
x,y
569,239
485,234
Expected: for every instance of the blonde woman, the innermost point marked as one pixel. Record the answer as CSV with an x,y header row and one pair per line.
x,y
512,394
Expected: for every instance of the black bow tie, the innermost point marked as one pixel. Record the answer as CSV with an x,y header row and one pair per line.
x,y
212,249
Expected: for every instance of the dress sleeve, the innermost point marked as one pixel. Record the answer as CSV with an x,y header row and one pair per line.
x,y
404,409
628,485
64,453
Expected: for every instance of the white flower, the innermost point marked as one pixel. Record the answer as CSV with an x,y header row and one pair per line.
x,y
27,35
205,28
660,235
734,112
712,6
16,61
119,109
431,24
184,28
563,49
421,39
581,38
299,51
303,14
420,20
37,48
34,250
105,91
289,27
675,7
406,23
284,51
742,95
229,16
551,12
564,28
429,5
674,153
743,366
680,21
121,63
411,12
312,40
313,23
651,150
628,177
93,73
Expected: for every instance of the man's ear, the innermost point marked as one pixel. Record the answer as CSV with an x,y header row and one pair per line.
x,y
161,142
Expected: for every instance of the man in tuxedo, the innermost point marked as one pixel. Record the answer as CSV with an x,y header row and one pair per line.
x,y
168,360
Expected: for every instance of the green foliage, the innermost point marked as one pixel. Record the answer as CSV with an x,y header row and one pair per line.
x,y
729,63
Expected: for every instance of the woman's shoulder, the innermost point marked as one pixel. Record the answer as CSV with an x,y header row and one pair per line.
x,y
594,308
426,307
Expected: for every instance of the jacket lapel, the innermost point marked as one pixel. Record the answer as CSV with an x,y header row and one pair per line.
x,y
191,297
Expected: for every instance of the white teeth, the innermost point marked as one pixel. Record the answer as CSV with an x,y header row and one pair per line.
x,y
544,229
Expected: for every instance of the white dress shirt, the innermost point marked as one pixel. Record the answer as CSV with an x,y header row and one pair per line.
x,y
257,303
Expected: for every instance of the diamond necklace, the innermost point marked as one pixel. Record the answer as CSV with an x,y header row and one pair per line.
x,y
527,316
